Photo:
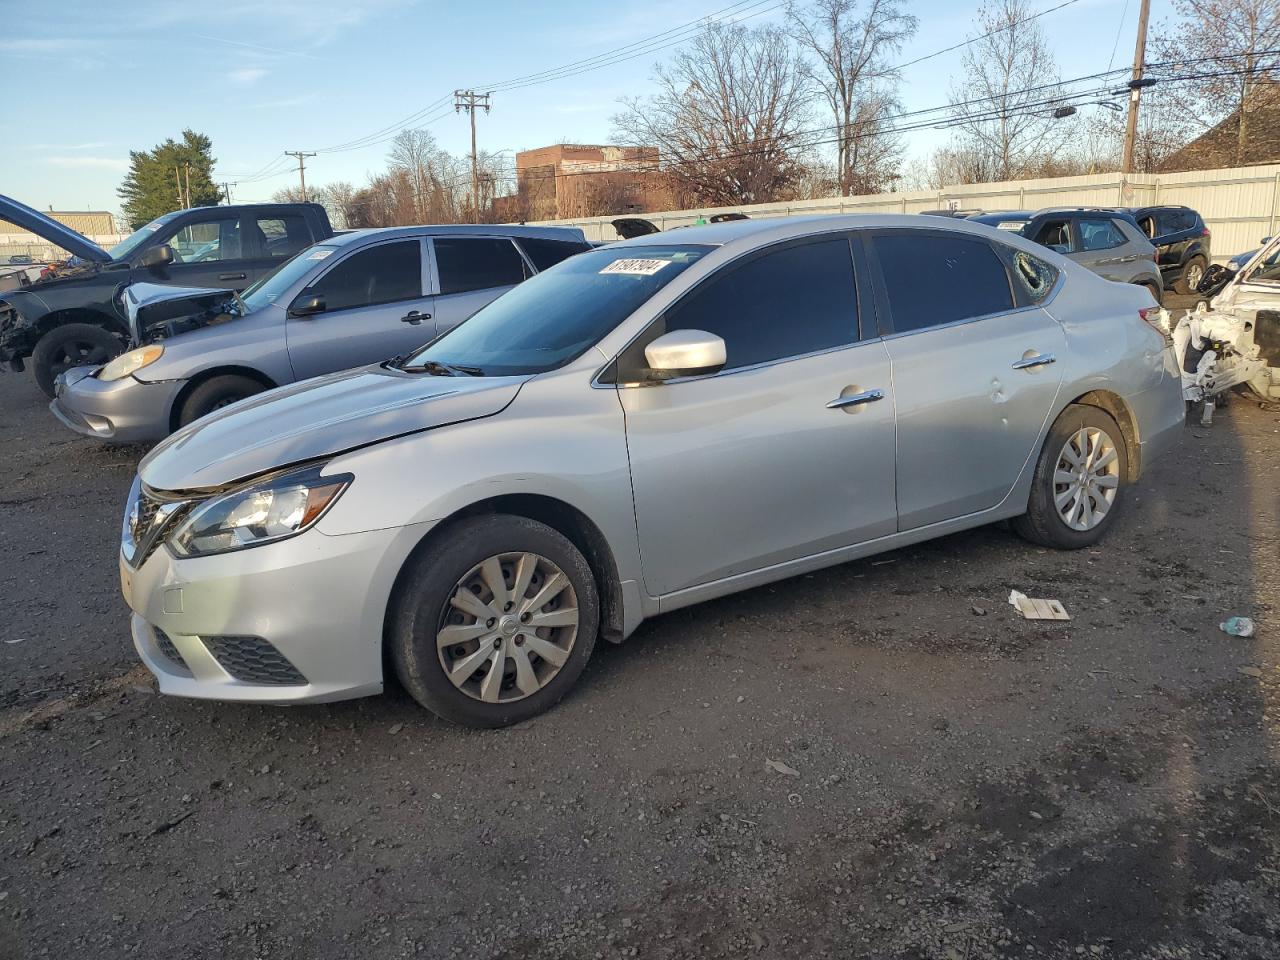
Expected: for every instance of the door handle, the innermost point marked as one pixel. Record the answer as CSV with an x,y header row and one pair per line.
x,y
1038,360
414,317
854,399
231,276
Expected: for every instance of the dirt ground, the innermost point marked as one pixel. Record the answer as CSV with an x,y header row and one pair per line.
x,y
968,784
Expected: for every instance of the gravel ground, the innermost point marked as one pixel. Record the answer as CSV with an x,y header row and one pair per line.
x,y
957,782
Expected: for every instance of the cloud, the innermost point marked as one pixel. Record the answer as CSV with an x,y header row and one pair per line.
x,y
247,75
282,103
95,145
82,162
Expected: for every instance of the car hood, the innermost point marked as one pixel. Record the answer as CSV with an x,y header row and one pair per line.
x,y
318,418
148,305
49,229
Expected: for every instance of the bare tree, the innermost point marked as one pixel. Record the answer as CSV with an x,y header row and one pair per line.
x,y
849,43
727,116
1242,42
1006,128
337,199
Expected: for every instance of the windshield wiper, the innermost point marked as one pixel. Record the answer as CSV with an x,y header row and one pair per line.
x,y
438,369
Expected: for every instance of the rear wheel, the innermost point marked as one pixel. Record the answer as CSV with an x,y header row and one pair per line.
x,y
1192,274
1156,293
71,345
1076,490
494,621
216,393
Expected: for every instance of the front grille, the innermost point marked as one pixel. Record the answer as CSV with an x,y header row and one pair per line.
x,y
254,660
150,523
166,646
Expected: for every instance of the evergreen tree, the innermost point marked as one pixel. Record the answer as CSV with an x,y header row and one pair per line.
x,y
157,181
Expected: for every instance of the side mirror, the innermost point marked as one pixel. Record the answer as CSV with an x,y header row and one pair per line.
x,y
307,306
1266,239
160,256
684,353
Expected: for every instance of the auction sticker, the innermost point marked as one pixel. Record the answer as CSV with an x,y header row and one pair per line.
x,y
636,267
320,254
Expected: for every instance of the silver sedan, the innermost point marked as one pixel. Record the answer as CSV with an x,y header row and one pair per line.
x,y
642,427
357,298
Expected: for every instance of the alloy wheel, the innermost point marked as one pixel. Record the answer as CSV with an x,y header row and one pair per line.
x,y
1194,274
1086,478
508,627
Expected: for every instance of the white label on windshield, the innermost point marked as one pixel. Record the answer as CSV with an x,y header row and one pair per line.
x,y
1011,225
320,254
636,267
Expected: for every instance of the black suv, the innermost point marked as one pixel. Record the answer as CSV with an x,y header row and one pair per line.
x,y
1182,243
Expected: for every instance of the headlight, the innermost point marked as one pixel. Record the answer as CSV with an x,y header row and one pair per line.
x,y
265,511
131,362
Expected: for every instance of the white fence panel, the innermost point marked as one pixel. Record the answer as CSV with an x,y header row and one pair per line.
x,y
1239,205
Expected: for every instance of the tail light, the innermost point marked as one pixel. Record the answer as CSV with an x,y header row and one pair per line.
x,y
1204,232
1159,320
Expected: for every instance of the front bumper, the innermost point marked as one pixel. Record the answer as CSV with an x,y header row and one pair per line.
x,y
317,601
121,411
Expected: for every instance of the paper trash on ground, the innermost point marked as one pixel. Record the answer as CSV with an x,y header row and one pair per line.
x,y
1035,609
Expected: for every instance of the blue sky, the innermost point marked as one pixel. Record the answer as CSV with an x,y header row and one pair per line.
x,y
262,76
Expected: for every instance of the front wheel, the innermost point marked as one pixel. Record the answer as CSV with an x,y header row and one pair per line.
x,y
1076,489
216,393
71,345
494,621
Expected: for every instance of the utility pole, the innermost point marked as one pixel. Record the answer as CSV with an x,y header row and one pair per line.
x,y
302,170
468,100
226,190
188,186
1135,89
177,178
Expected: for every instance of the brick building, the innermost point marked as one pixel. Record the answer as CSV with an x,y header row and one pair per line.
x,y
583,180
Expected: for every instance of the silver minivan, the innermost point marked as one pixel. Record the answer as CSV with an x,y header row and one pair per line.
x,y
355,299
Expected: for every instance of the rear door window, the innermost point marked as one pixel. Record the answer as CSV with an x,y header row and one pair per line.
x,y
283,236
932,279
1100,234
547,253
478,263
383,273
793,301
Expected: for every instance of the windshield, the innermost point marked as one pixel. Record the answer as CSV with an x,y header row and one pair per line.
x,y
136,239
552,319
269,289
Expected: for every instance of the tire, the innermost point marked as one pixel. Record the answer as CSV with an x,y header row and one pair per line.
x,y
1156,292
1193,269
71,345
1043,523
215,393
422,608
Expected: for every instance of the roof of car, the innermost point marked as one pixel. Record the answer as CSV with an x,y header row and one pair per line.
x,y
1001,216
459,229
759,231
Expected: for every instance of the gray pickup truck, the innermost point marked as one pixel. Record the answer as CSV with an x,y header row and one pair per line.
x,y
75,315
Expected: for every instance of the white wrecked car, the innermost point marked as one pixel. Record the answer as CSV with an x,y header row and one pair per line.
x,y
1235,337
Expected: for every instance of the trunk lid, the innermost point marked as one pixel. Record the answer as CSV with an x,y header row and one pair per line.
x,y
51,230
318,418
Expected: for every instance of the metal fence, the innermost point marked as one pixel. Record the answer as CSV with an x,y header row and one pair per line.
x,y
26,244
1240,205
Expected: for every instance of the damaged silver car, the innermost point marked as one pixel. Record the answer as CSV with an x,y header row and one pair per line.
x,y
355,299
1234,338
